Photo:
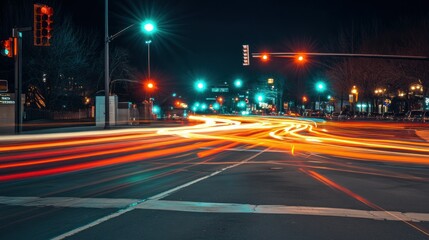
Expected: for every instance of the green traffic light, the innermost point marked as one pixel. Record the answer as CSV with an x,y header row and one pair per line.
x,y
320,86
238,83
200,85
216,106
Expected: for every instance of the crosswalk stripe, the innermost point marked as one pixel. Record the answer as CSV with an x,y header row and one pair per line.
x,y
208,207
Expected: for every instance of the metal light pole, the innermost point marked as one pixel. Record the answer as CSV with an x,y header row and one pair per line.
x,y
148,42
106,66
107,40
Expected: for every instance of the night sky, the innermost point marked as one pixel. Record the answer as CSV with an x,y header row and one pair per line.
x,y
202,39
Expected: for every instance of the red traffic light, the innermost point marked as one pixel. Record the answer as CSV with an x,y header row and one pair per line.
x,y
300,58
46,10
6,47
265,57
43,22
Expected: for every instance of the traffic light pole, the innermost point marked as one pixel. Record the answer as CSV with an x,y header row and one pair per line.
x,y
106,66
17,52
292,54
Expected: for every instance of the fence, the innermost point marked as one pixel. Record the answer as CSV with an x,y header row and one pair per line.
x,y
36,114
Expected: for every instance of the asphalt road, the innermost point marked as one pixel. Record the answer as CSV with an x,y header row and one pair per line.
x,y
230,183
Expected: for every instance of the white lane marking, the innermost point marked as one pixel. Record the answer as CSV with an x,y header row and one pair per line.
x,y
204,207
68,202
132,206
166,193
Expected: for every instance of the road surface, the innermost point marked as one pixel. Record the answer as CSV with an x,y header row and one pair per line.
x,y
224,178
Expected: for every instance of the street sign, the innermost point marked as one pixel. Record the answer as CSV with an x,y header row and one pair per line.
x,y
3,86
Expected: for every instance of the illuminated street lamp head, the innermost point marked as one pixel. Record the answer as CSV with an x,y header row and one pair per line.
x,y
354,90
148,27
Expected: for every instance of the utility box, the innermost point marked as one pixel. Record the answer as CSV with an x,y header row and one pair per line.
x,y
100,110
124,113
145,111
7,112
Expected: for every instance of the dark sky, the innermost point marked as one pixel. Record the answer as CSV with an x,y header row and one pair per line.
x,y
202,39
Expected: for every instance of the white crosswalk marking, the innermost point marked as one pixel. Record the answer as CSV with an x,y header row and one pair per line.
x,y
207,207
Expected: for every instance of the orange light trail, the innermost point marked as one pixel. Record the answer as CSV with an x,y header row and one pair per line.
x,y
328,182
290,135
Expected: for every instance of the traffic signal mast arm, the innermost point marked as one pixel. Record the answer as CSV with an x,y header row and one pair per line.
x,y
120,32
357,55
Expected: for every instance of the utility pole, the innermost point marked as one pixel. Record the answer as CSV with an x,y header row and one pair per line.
x,y
106,66
17,51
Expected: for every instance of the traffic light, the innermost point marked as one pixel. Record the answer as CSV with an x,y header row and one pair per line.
x,y
238,83
3,86
320,86
6,47
265,57
200,86
246,55
43,22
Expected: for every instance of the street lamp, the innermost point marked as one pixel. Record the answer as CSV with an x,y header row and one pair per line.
x,y
379,92
148,27
148,57
355,95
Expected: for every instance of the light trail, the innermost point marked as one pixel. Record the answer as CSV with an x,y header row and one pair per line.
x,y
110,147
328,182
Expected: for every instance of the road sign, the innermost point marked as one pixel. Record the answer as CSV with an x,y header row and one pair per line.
x,y
3,86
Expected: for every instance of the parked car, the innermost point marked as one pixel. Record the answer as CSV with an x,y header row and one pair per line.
x,y
388,116
333,116
415,115
373,116
399,116
344,115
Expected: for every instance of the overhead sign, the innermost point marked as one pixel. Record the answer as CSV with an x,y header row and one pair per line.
x,y
219,89
3,86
